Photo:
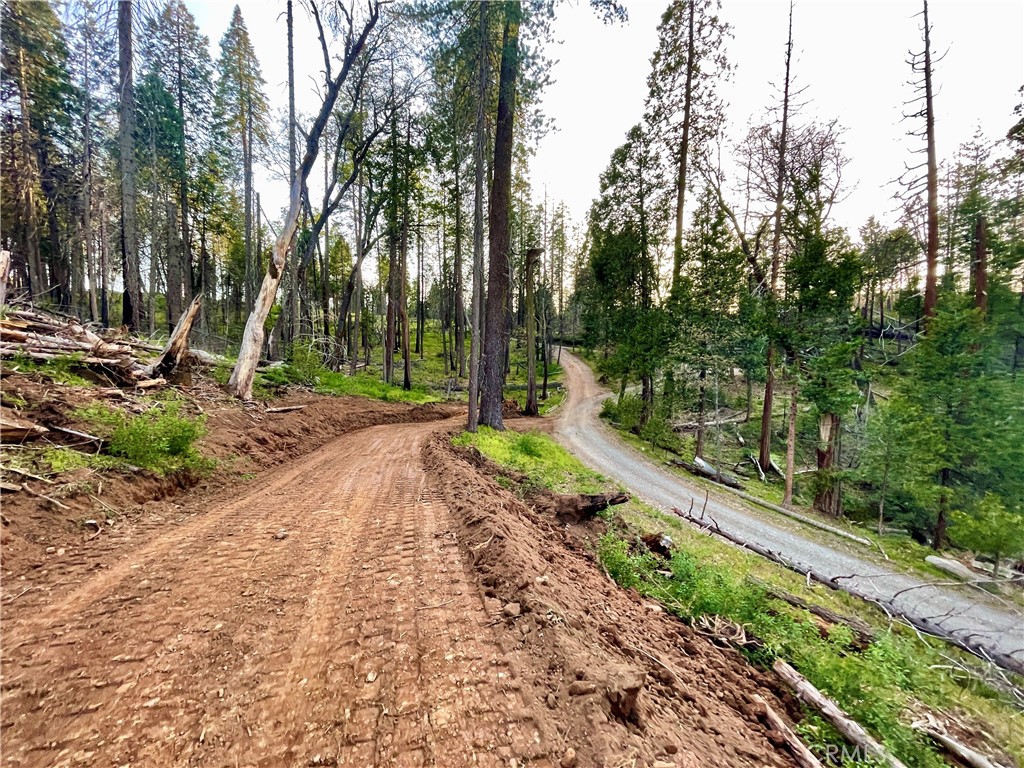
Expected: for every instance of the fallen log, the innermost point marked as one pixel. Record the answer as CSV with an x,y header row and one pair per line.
x,y
285,409
969,645
963,753
702,469
803,756
850,730
862,631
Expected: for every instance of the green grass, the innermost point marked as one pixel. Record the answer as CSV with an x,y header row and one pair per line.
x,y
882,687
160,439
60,370
536,455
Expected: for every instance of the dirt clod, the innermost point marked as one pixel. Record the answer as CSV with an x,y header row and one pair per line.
x,y
623,691
568,759
512,610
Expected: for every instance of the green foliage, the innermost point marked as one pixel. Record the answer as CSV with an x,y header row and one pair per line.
x,y
159,439
61,370
990,529
625,413
68,460
534,454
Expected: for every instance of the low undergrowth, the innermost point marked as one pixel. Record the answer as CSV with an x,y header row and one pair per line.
x,y
160,439
883,685
328,382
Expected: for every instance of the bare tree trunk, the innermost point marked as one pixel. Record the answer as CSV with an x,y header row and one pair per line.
x,y
828,499
531,333
240,383
30,240
765,452
980,272
787,498
131,308
174,275
478,223
496,332
460,301
931,276
684,152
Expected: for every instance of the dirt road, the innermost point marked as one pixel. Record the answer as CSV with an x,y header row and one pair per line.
x,y
322,617
996,626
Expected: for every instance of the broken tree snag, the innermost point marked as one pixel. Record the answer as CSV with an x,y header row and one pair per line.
x,y
176,351
850,730
803,756
577,508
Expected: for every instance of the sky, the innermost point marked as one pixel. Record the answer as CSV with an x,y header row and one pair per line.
x,y
849,57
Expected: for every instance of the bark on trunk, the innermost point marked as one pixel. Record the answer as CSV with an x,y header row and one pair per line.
x,y
828,499
496,334
531,334
684,152
131,308
478,223
932,255
787,498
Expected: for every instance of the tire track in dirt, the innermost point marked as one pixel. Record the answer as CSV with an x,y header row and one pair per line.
x,y
354,640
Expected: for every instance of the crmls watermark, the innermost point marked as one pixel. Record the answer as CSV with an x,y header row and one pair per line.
x,y
839,754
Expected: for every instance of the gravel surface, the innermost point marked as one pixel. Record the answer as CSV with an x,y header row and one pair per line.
x,y
960,610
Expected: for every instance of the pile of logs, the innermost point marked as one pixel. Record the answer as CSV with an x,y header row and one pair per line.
x,y
41,335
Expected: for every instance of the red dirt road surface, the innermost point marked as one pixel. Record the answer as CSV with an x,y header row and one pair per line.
x,y
378,602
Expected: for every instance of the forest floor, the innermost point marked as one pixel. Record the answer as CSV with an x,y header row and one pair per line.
x,y
345,588
995,623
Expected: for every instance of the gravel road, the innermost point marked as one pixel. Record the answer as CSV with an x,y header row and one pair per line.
x,y
960,610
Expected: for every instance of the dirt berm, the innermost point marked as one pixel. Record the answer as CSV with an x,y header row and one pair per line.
x,y
623,683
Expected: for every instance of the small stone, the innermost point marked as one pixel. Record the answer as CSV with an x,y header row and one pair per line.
x,y
281,534
581,688
511,610
671,748
60,551
371,676
51,550
540,580
568,759
91,524
663,764
552,701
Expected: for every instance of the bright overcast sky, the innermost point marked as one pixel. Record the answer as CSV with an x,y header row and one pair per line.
x,y
849,58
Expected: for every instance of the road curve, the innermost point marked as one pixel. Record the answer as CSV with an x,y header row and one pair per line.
x,y
958,610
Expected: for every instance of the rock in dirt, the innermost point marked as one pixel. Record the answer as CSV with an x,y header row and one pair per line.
x,y
281,535
512,610
581,688
568,759
552,701
623,690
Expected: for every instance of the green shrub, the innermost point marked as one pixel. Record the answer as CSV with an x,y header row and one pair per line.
x,y
160,439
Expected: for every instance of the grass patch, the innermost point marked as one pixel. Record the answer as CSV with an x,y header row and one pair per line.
x,y
60,370
536,455
160,439
881,686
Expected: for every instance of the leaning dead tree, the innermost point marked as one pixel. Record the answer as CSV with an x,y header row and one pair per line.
x,y
355,42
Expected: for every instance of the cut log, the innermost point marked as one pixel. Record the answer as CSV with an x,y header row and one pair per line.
x,y
176,350
572,509
850,730
803,756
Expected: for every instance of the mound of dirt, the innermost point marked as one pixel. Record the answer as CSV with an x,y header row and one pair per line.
x,y
623,682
